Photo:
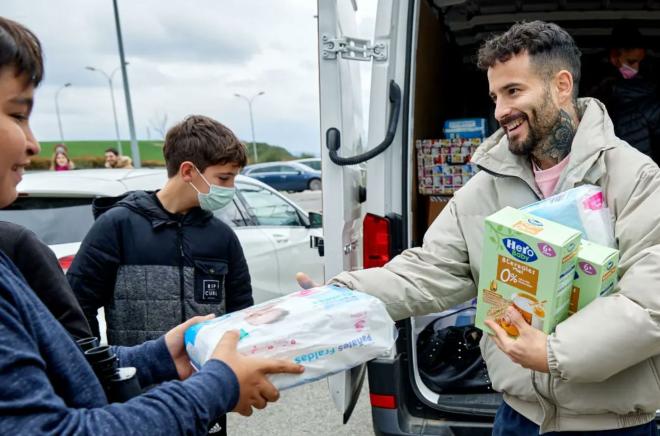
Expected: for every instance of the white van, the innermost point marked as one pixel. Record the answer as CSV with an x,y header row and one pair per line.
x,y
421,72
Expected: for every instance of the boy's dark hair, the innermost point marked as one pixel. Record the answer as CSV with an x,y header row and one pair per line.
x,y
112,150
550,48
21,49
202,141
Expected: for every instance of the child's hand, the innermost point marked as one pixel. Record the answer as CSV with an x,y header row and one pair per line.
x,y
255,388
177,349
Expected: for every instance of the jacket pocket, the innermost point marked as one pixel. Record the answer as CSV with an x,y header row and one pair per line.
x,y
210,275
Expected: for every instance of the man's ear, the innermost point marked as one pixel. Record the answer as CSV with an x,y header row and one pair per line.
x,y
564,86
186,170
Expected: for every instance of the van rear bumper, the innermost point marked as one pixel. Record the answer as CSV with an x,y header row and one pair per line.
x,y
411,416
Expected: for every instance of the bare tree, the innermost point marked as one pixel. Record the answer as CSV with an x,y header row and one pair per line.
x,y
159,124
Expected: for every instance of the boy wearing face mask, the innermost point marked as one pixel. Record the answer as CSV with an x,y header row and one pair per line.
x,y
154,259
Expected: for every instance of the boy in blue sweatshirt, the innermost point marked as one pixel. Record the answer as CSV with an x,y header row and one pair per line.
x,y
47,385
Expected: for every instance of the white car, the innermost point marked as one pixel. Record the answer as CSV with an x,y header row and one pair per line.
x,y
278,238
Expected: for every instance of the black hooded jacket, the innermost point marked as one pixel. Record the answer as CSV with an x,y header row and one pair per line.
x,y
153,270
634,107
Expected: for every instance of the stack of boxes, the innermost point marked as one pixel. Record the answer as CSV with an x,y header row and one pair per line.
x,y
443,165
541,268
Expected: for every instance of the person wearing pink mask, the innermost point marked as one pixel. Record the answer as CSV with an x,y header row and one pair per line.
x,y
631,99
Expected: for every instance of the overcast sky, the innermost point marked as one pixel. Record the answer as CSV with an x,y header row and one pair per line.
x,y
185,57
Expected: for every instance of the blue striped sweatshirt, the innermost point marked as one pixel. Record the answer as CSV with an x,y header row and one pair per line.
x,y
47,387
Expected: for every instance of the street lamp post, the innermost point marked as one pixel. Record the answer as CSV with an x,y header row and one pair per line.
x,y
249,102
57,109
112,97
135,150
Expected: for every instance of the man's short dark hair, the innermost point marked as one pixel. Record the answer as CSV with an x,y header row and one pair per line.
x,y
21,49
202,141
113,151
550,48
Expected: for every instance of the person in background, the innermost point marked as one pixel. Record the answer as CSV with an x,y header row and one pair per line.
x,y
114,160
61,162
630,98
48,387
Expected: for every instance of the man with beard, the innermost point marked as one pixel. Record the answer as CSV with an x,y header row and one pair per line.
x,y
598,371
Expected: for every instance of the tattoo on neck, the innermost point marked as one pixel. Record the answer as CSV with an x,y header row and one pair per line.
x,y
557,144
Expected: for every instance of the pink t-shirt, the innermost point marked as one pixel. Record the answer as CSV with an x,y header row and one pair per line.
x,y
547,180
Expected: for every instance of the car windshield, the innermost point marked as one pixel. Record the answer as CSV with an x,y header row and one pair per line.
x,y
54,220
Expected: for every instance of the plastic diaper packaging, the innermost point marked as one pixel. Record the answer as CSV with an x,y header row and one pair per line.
x,y
582,208
327,329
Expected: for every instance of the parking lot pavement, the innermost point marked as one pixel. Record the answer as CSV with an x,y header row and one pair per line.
x,y
304,410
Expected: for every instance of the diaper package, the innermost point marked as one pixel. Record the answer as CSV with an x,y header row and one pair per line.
x,y
327,329
582,208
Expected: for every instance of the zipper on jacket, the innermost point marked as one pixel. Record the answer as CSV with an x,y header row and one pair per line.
x,y
179,234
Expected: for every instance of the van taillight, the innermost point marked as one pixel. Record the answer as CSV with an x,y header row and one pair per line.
x,y
65,262
376,232
383,401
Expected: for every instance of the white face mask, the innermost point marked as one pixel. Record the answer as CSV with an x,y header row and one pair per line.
x,y
217,197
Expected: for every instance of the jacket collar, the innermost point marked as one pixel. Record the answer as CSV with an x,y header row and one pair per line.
x,y
146,203
594,135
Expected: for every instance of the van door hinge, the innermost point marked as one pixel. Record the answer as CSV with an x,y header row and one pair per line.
x,y
353,48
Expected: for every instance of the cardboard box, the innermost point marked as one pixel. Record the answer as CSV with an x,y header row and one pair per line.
x,y
436,204
595,275
527,263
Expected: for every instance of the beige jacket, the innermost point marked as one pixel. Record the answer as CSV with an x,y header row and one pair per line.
x,y
605,360
122,162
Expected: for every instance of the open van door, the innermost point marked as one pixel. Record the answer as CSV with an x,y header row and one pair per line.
x,y
355,69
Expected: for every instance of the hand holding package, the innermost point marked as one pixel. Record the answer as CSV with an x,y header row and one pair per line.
x,y
326,329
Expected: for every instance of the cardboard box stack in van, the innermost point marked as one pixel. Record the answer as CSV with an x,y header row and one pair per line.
x,y
595,274
443,165
527,263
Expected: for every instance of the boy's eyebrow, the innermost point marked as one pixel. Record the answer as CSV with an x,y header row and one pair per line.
x,y
27,101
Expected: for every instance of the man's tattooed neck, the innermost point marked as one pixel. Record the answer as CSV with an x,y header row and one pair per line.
x,y
557,144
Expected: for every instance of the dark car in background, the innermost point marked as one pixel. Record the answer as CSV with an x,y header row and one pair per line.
x,y
285,176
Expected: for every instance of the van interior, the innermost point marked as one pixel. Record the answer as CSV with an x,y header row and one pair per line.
x,y
447,84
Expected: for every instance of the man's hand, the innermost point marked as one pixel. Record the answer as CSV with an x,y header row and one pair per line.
x,y
177,349
255,388
528,349
305,281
